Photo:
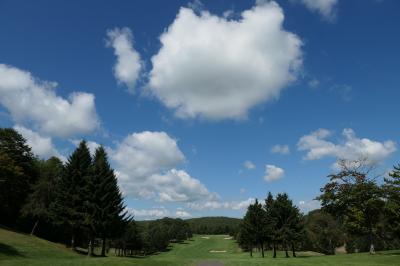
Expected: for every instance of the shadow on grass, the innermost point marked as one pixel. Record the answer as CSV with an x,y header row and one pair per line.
x,y
388,253
9,251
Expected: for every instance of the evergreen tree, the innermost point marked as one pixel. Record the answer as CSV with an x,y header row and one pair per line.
x,y
71,203
38,202
392,206
286,217
105,205
271,221
253,226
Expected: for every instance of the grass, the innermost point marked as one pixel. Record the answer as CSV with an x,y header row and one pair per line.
x,y
21,249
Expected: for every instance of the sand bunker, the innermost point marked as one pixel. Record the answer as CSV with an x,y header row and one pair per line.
x,y
227,238
205,237
217,251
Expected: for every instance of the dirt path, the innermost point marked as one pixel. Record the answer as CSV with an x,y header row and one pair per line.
x,y
210,263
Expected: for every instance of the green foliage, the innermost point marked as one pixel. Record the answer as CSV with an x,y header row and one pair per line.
x,y
356,199
71,203
105,215
17,173
43,194
214,225
278,221
323,233
392,205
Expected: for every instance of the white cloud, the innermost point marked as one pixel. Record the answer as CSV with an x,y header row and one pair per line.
x,y
158,213
178,186
281,149
31,100
182,214
217,68
146,167
350,148
154,213
249,165
273,173
41,146
326,8
307,206
217,204
128,66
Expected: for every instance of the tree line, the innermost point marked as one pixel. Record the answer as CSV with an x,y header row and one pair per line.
x,y
81,196
276,223
358,211
77,202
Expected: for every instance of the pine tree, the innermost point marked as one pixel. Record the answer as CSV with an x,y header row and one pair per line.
x,y
271,223
285,217
106,207
71,203
253,227
392,205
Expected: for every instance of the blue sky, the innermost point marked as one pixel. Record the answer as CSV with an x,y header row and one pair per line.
x,y
183,94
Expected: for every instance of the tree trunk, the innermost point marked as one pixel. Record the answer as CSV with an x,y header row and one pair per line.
x,y
262,249
34,227
293,250
90,250
251,250
103,246
274,250
371,249
286,250
371,244
73,241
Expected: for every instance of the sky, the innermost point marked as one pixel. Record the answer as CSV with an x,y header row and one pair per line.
x,y
204,106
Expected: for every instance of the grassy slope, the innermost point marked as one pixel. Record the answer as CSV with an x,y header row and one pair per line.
x,y
19,249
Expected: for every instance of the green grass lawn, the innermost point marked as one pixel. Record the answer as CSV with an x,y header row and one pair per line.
x,y
20,249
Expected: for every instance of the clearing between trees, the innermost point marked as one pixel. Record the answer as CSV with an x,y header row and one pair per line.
x,y
22,249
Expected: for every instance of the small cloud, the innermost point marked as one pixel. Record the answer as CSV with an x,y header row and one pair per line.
x,y
273,173
249,165
128,66
326,8
217,204
280,149
314,83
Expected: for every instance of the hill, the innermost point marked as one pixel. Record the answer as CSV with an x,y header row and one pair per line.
x,y
22,249
214,225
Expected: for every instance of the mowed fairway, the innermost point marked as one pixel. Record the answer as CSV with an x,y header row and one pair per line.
x,y
19,249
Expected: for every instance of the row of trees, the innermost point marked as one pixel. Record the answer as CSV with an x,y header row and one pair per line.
x,y
276,223
80,198
78,202
360,211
